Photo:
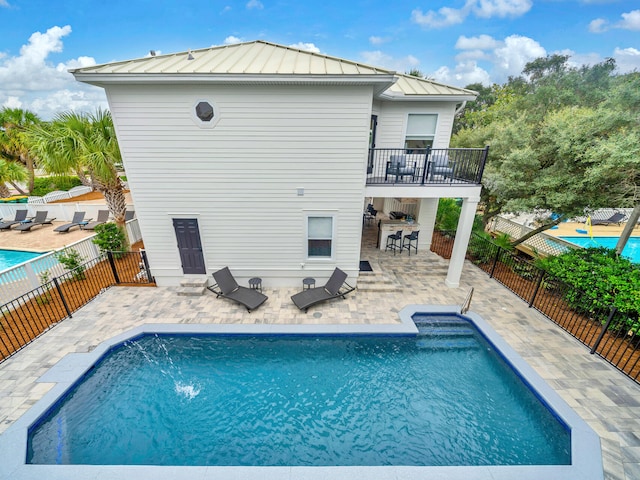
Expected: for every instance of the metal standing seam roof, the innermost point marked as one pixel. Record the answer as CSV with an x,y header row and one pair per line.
x,y
262,59
413,86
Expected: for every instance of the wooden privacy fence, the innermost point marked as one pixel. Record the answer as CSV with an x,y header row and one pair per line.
x,y
604,330
29,315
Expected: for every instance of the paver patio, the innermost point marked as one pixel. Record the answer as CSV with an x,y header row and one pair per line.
x,y
604,397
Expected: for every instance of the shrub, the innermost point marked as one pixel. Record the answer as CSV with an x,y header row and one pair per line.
x,y
72,260
45,282
448,214
603,278
44,185
110,238
481,249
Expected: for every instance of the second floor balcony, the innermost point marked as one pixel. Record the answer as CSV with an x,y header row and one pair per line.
x,y
426,166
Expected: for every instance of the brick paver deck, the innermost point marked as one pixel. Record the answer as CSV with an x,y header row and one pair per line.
x,y
605,398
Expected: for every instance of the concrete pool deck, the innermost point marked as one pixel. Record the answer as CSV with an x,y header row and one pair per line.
x,y
606,399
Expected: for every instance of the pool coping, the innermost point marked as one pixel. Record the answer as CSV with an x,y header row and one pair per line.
x,y
586,453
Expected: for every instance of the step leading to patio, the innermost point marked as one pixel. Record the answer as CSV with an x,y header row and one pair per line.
x,y
377,281
192,287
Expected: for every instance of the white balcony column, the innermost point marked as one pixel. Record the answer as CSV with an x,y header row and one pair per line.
x,y
463,233
426,218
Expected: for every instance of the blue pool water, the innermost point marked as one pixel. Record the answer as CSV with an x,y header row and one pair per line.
x,y
631,250
10,258
443,397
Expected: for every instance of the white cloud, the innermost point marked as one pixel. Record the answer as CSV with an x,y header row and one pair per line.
x,y
230,40
4,3
467,55
598,25
483,42
255,4
463,74
12,102
444,17
447,16
516,52
500,8
627,59
226,9
630,21
488,60
32,82
309,47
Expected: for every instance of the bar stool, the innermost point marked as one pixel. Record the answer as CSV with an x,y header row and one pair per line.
x,y
370,216
394,242
406,242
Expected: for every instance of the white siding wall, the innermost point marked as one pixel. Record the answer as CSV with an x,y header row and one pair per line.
x,y
240,178
392,121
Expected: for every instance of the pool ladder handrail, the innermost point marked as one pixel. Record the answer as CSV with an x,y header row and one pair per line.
x,y
464,308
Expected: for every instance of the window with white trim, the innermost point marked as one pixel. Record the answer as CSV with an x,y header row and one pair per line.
x,y
421,130
319,236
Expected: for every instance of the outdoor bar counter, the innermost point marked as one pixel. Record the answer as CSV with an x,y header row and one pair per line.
x,y
389,227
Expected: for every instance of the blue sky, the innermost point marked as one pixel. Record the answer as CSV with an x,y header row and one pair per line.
x,y
453,41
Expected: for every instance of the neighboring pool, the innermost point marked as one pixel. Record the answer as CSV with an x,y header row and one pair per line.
x,y
631,250
10,258
267,401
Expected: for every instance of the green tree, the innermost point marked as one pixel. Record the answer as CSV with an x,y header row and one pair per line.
x,y
75,142
563,140
10,172
13,123
474,110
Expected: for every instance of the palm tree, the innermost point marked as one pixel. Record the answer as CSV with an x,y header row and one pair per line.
x,y
10,172
75,142
13,123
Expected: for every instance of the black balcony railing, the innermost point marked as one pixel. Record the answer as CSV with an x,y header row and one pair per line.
x,y
426,166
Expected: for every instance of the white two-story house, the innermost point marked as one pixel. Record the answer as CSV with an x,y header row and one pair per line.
x,y
262,158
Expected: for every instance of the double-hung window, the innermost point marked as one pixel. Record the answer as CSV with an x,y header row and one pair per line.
x,y
421,130
319,236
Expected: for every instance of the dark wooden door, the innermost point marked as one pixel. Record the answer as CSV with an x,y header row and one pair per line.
x,y
189,245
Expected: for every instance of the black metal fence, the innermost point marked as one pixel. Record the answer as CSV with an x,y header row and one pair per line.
x,y
26,317
421,166
605,330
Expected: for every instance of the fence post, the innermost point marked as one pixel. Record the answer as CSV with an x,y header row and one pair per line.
x,y
143,254
113,266
64,301
612,312
495,262
535,292
426,165
31,276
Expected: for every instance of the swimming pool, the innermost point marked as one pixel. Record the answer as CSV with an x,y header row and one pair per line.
x,y
631,249
11,258
584,444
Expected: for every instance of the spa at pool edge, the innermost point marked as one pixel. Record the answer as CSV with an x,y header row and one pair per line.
x,y
585,446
